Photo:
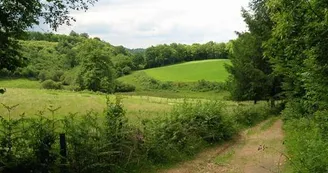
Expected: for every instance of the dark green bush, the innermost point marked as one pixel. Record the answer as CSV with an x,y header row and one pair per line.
x,y
50,84
52,75
5,73
28,72
43,75
124,87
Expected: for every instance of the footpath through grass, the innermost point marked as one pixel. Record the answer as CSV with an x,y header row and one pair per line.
x,y
256,152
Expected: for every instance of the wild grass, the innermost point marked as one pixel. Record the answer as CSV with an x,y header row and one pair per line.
x,y
269,123
210,95
19,83
32,101
224,159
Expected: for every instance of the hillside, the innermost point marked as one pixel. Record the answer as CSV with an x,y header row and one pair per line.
x,y
209,70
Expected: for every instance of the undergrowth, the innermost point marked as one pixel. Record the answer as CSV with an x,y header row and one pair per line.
x,y
306,139
106,142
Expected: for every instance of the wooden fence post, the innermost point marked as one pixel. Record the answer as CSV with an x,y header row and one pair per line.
x,y
63,153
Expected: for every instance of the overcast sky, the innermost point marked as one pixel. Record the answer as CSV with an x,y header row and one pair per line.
x,y
142,23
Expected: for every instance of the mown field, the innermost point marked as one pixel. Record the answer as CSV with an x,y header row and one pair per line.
x,y
209,70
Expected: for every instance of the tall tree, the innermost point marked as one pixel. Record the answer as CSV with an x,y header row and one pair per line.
x,y
251,70
96,71
247,81
18,15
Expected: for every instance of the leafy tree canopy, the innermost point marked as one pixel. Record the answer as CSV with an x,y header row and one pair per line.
x,y
18,15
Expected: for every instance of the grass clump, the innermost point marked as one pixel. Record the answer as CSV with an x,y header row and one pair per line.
x,y
224,158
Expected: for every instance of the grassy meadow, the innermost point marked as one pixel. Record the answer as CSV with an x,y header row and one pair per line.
x,y
32,100
209,70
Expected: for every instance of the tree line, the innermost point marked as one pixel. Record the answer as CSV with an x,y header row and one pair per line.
x,y
283,56
161,55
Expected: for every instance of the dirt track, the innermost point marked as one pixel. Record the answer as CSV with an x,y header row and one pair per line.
x,y
257,150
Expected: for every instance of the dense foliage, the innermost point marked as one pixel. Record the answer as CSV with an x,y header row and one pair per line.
x,y
298,51
251,72
161,55
18,15
78,62
284,56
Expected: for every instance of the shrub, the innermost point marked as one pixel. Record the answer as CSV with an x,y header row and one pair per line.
x,y
50,84
52,75
56,75
28,72
126,70
203,86
124,87
5,73
43,75
249,116
187,129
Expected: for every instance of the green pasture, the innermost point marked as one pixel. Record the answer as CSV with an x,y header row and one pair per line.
x,y
210,70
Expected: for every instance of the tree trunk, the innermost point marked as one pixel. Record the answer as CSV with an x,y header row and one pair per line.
x,y
273,103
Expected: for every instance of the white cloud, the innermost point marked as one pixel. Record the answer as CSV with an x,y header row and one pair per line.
x,y
141,23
